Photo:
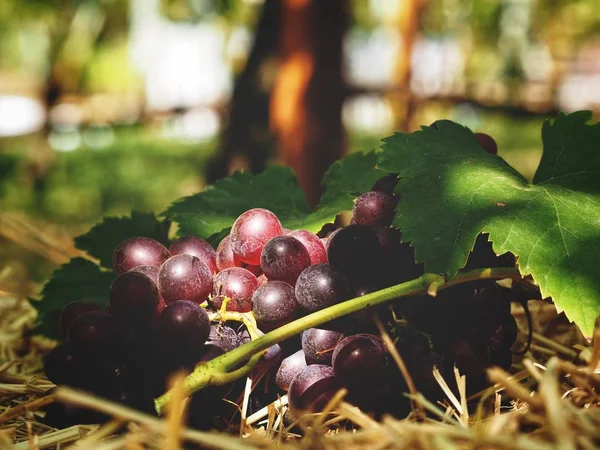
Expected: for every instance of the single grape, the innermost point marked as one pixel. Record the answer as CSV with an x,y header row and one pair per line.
x,y
139,251
91,333
312,388
329,238
184,277
357,357
386,184
60,364
71,312
374,208
487,143
251,231
236,283
318,345
223,336
283,258
470,355
355,251
313,244
320,286
195,246
502,334
152,272
183,328
289,368
225,257
133,297
274,305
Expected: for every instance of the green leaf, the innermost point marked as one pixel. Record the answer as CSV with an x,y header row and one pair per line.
x,y
452,190
79,279
210,212
103,238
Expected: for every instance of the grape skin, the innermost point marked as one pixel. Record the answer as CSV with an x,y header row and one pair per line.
x,y
289,368
133,297
313,244
195,246
312,388
152,272
225,257
283,258
355,251
71,312
274,305
320,286
139,251
373,209
236,283
91,333
184,277
251,231
358,356
318,345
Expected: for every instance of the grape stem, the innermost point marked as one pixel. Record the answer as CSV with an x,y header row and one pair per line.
x,y
240,361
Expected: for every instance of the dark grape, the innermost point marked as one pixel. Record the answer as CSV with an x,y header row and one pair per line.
x,y
357,357
60,364
71,312
501,357
503,334
195,246
236,283
483,256
251,231
283,258
386,184
91,333
289,368
63,415
313,244
184,277
318,345
470,355
320,286
373,209
223,336
133,297
274,305
152,272
312,388
487,143
139,251
183,328
355,251
225,257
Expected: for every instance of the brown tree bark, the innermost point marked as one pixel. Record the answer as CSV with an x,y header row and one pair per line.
x,y
306,105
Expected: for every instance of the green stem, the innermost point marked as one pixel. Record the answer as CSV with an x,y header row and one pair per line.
x,y
219,370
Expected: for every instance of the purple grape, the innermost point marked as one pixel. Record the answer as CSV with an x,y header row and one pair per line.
x,y
139,251
358,357
195,246
320,286
236,283
60,364
487,143
91,333
133,297
223,336
283,258
183,328
274,305
225,256
470,355
152,272
502,334
373,209
71,312
312,388
289,368
318,345
184,277
251,231
355,251
313,244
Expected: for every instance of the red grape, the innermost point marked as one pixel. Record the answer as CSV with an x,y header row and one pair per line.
x,y
251,231
236,283
274,305
71,312
184,277
139,251
357,357
321,286
195,246
225,257
314,245
133,297
91,333
289,368
152,272
487,143
283,258
312,388
373,209
318,345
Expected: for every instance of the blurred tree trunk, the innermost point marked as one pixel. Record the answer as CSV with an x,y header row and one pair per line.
x,y
306,106
247,141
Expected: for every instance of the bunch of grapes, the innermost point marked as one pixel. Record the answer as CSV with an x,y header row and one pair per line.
x,y
156,320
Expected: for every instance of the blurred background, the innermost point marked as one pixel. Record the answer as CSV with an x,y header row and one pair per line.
x,y
109,105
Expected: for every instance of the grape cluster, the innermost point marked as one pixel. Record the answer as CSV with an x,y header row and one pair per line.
x,y
156,318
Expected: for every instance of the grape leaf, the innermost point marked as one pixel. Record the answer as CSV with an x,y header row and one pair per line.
x,y
215,209
100,241
452,190
79,279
